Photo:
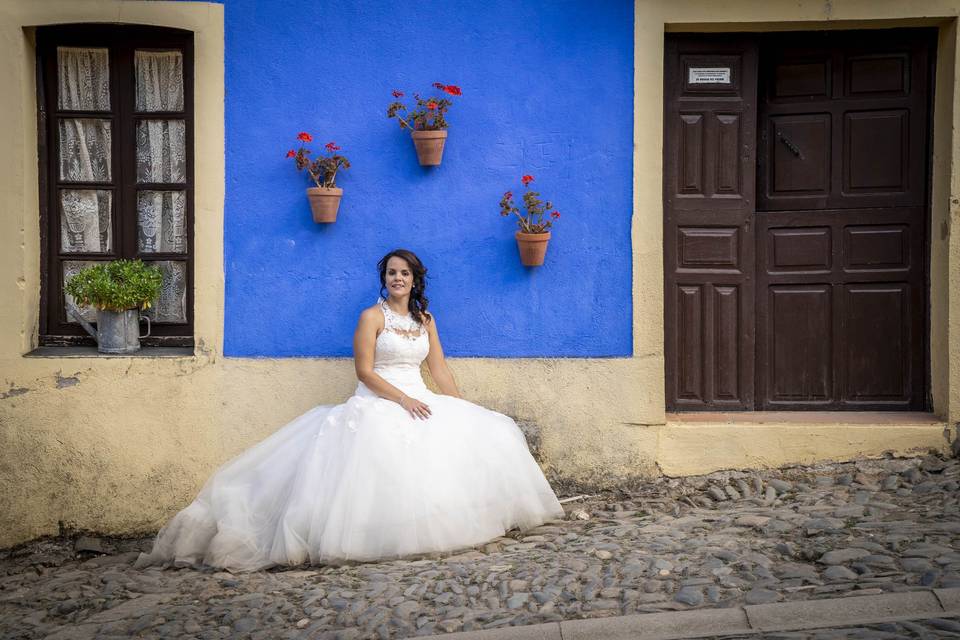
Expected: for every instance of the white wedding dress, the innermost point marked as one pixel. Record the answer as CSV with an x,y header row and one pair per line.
x,y
363,480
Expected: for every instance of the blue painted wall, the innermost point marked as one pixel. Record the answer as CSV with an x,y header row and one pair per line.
x,y
547,90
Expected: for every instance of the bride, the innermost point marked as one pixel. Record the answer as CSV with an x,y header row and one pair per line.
x,y
396,470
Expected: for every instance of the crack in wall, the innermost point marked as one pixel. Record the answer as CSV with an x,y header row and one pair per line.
x,y
13,392
68,381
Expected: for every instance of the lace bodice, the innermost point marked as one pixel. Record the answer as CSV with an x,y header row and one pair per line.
x,y
403,343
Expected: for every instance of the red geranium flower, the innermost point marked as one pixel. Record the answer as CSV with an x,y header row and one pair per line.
x,y
397,94
304,136
291,153
331,147
431,105
555,215
526,180
453,90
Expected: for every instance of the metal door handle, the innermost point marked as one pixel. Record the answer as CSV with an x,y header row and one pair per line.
x,y
793,148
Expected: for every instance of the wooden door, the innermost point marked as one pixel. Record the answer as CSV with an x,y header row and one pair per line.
x,y
841,222
795,220
709,186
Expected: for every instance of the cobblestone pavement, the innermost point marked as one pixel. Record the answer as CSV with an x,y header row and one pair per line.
x,y
932,629
727,539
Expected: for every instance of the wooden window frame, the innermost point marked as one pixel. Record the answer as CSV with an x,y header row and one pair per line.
x,y
122,41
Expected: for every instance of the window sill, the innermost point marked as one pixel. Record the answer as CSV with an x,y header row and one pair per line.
x,y
91,352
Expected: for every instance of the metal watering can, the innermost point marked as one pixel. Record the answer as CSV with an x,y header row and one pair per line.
x,y
116,332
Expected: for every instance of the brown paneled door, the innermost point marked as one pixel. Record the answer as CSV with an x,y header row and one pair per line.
x,y
709,185
795,198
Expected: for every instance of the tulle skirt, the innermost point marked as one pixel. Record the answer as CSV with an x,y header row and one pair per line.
x,y
363,481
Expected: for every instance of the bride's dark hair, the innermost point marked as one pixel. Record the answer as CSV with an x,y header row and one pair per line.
x,y
418,301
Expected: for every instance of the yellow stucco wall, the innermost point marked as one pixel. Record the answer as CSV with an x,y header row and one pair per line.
x,y
116,445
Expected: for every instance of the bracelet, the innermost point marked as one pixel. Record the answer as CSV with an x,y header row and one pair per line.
x,y
400,401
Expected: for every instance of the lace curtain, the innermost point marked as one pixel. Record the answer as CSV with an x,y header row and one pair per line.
x,y
85,220
84,79
171,305
84,85
162,221
159,78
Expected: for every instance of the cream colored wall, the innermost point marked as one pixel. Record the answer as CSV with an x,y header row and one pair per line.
x,y
116,445
82,440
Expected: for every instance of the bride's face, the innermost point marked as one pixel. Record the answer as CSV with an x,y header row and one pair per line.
x,y
399,277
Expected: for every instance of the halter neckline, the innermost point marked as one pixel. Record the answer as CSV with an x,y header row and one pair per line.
x,y
386,308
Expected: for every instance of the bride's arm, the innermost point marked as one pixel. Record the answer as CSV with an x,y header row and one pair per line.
x,y
439,370
364,346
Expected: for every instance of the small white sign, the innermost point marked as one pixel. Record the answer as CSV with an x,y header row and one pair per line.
x,y
709,75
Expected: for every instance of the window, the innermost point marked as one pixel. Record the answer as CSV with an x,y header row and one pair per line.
x,y
116,166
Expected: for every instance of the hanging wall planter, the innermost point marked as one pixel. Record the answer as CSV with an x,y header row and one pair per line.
x,y
533,247
427,123
325,197
324,203
534,224
429,145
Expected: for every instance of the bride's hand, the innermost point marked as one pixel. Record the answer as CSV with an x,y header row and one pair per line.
x,y
415,408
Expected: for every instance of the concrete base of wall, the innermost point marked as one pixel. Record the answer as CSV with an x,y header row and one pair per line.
x,y
698,443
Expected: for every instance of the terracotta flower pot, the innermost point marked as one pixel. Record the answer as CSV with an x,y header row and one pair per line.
x,y
324,202
429,146
533,247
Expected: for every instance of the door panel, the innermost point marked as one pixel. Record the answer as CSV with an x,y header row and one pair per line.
x,y
726,305
690,343
871,247
729,179
691,149
875,150
709,195
799,250
801,78
878,343
795,174
712,248
880,74
800,340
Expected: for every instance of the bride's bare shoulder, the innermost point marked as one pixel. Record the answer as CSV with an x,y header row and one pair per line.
x,y
372,314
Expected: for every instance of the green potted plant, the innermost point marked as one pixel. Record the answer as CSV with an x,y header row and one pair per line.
x,y
534,224
325,197
118,290
427,122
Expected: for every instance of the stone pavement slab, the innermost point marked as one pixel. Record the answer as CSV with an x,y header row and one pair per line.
x,y
949,598
657,626
747,621
549,631
786,616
